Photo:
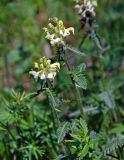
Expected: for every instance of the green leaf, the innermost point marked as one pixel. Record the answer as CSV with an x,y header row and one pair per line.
x,y
121,110
82,67
75,51
2,129
84,151
6,117
84,127
79,77
108,98
81,81
112,145
118,129
62,130
53,97
60,157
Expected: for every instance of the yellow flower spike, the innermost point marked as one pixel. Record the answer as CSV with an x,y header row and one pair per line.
x,y
56,32
46,70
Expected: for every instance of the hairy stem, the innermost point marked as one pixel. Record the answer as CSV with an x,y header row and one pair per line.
x,y
79,100
77,93
53,106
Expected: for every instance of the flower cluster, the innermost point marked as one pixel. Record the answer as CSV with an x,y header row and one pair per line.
x,y
56,32
86,7
45,70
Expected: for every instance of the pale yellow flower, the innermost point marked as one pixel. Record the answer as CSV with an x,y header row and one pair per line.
x,y
45,70
56,32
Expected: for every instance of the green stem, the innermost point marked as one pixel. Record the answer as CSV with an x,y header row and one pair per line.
x,y
55,116
79,100
83,40
53,106
52,141
114,115
77,93
113,108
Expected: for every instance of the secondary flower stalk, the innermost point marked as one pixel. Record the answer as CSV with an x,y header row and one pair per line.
x,y
86,7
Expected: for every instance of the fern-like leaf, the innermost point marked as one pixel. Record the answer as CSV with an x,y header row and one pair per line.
x,y
84,127
108,98
114,144
79,77
83,152
54,99
62,131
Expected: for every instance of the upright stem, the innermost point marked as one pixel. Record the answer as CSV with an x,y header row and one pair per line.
x,y
114,115
77,94
55,115
79,101
113,110
82,41
53,106
52,140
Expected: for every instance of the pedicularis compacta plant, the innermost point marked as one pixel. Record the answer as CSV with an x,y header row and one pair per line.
x,y
48,133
